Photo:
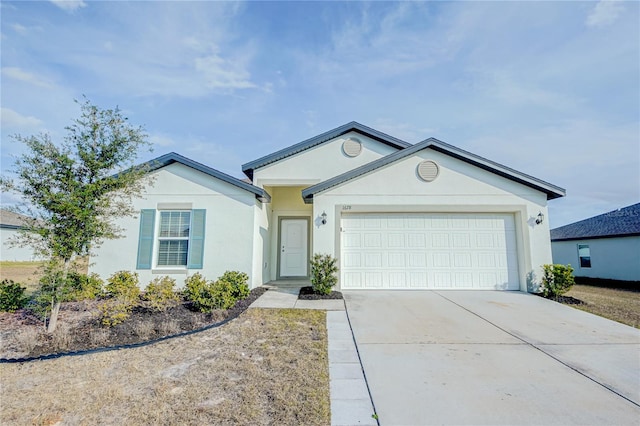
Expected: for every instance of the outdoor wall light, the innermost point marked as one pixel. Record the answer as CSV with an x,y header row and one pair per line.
x,y
539,218
324,218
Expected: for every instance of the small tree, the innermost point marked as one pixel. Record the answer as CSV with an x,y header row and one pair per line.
x,y
556,280
75,190
323,273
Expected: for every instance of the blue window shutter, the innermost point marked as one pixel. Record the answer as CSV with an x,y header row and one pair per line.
x,y
196,239
145,239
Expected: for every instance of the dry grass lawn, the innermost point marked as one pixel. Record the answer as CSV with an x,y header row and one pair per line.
x,y
26,273
616,304
268,366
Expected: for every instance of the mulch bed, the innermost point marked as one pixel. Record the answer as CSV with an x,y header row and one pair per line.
x,y
565,300
79,327
307,293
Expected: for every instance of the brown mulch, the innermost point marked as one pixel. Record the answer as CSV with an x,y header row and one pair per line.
x,y
307,293
79,328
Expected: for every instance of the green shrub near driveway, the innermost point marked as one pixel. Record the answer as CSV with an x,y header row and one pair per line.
x,y
556,280
323,273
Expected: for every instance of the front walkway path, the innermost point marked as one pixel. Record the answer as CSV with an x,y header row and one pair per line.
x,y
350,400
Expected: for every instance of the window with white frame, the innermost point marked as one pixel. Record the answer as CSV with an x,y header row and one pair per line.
x,y
173,238
584,254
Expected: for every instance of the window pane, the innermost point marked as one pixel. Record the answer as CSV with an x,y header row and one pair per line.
x,y
584,253
173,252
174,224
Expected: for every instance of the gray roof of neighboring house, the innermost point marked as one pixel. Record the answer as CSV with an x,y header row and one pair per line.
x,y
248,168
11,220
617,223
172,157
552,191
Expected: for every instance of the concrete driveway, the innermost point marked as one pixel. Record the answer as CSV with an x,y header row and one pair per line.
x,y
488,357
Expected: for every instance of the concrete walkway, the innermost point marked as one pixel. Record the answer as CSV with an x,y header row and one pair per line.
x,y
350,400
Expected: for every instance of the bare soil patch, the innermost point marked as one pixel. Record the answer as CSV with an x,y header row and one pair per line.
x,y
268,366
23,335
622,305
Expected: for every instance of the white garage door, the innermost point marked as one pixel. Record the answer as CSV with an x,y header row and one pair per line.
x,y
427,250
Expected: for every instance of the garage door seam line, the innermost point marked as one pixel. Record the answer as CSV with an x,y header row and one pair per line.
x,y
539,349
364,374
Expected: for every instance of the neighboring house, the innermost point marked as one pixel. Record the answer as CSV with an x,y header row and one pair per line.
x,y
605,246
395,215
10,225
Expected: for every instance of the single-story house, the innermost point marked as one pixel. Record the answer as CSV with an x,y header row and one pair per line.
x,y
10,224
606,246
395,215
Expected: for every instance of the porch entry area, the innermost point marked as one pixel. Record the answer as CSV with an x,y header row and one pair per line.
x,y
293,248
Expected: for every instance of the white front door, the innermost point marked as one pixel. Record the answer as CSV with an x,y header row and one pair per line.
x,y
293,247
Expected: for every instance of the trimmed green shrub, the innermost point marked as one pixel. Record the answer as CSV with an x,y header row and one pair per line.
x,y
83,287
197,291
323,273
239,283
123,285
12,296
115,311
160,294
556,280
222,294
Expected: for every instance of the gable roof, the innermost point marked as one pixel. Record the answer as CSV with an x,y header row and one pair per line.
x,y
11,220
552,191
172,157
617,223
249,167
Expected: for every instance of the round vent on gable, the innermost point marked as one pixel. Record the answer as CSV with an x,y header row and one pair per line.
x,y
428,170
352,147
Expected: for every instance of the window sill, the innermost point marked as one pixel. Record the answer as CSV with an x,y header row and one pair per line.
x,y
181,271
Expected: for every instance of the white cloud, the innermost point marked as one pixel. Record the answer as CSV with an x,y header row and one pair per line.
x,y
605,13
20,29
160,140
219,73
13,120
25,76
69,5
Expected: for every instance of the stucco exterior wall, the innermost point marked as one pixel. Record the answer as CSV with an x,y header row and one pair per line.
x,y
611,258
320,162
229,235
13,253
459,187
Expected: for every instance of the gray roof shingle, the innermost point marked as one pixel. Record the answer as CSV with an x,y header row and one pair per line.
x,y
11,220
617,223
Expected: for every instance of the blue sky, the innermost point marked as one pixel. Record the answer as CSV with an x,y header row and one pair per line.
x,y
549,88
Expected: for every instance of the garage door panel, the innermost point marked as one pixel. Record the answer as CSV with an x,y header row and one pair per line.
x,y
423,250
397,260
397,279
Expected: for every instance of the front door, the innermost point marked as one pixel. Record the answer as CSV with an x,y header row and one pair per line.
x,y
294,247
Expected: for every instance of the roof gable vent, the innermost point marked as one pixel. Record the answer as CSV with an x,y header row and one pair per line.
x,y
352,147
428,170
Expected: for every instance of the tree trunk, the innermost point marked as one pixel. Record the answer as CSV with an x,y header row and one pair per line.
x,y
53,320
55,308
